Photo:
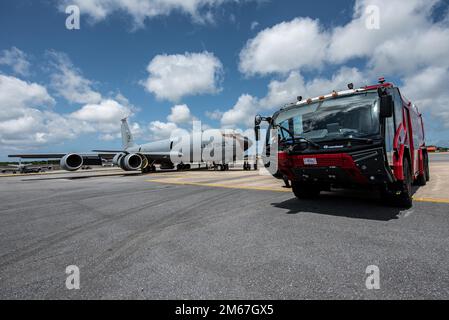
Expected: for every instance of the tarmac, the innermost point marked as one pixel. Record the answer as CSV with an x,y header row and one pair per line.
x,y
216,235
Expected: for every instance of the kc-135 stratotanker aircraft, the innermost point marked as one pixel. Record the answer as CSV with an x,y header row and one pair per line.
x,y
219,147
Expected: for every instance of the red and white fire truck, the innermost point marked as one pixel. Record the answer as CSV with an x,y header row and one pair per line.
x,y
371,137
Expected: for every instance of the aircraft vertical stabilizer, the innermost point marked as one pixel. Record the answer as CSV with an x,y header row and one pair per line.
x,y
127,137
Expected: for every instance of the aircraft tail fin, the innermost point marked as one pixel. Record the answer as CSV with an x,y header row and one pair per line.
x,y
127,137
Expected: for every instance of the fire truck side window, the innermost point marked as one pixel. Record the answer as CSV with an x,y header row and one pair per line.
x,y
389,137
398,116
417,132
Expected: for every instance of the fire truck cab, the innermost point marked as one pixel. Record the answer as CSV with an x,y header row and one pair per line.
x,y
369,137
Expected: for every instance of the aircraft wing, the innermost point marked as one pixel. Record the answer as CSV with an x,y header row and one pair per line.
x,y
161,154
148,154
105,155
88,158
38,156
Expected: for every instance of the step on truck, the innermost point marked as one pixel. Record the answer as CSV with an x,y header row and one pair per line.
x,y
369,137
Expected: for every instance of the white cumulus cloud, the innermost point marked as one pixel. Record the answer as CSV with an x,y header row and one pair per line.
x,y
16,95
16,59
163,130
180,114
242,112
428,90
28,118
105,111
173,76
69,82
287,46
26,115
200,11
410,45
285,91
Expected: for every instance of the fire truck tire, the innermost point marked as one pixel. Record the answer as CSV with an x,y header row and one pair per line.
x,y
426,166
404,198
305,191
422,178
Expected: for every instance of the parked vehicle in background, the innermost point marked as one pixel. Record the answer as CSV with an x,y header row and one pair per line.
x,y
369,137
23,168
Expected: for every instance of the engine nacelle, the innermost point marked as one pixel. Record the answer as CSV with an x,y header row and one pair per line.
x,y
71,162
131,162
117,158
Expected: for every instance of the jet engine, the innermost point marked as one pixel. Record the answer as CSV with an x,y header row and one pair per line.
x,y
71,162
117,158
131,162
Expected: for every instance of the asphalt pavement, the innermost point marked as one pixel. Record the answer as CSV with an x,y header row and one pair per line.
x,y
134,238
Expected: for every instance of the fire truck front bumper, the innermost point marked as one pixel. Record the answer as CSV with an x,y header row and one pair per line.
x,y
367,167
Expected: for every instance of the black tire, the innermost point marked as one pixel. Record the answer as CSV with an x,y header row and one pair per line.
x,y
423,178
305,191
404,197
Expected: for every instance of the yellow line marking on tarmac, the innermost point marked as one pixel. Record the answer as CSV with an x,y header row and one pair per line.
x,y
431,200
5,175
217,185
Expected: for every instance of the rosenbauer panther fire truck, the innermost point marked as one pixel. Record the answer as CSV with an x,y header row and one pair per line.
x,y
370,136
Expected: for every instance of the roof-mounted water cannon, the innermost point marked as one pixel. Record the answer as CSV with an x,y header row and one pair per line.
x,y
350,86
381,80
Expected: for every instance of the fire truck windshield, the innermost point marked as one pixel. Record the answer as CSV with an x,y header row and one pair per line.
x,y
355,116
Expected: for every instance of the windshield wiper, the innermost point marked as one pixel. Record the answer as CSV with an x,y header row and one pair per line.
x,y
294,139
316,145
366,140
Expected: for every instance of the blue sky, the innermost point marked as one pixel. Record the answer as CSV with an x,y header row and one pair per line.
x,y
238,57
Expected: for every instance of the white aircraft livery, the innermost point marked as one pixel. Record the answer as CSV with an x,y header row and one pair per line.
x,y
219,147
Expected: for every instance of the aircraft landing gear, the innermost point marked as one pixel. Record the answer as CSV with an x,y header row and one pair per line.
x,y
149,169
182,166
222,167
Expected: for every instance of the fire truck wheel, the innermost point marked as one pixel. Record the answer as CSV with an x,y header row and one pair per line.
x,y
422,178
305,191
404,199
426,166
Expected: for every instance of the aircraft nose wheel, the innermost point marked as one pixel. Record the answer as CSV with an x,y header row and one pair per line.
x,y
182,166
222,167
149,169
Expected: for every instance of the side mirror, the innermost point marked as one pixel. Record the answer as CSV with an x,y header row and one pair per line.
x,y
386,106
258,120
